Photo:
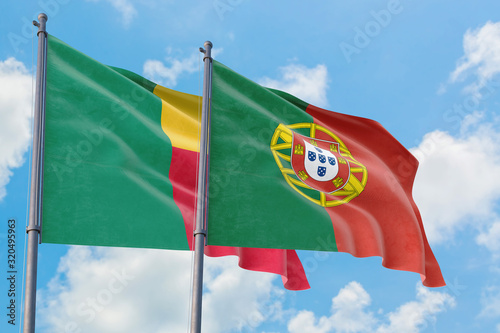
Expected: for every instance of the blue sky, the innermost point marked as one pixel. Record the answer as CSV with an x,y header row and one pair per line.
x,y
428,71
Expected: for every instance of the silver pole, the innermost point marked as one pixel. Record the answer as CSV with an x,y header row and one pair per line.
x,y
33,228
201,205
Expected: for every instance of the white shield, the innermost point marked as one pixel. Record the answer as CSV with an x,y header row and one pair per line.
x,y
320,164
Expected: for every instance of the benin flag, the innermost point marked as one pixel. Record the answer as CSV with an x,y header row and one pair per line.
x,y
288,175
120,164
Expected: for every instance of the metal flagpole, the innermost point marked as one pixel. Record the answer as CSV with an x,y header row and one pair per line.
x,y
33,229
201,205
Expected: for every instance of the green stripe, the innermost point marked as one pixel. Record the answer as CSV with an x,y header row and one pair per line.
x,y
106,159
143,82
291,99
251,205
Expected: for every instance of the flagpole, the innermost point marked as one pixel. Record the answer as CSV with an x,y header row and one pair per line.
x,y
200,232
33,229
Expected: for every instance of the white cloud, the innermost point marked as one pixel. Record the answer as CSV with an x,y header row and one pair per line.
x,y
157,72
350,314
490,238
490,301
118,290
309,84
413,316
481,57
124,7
305,321
167,75
348,309
15,116
238,298
133,290
455,184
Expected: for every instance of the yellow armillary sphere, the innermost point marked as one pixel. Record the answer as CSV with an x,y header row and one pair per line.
x,y
323,171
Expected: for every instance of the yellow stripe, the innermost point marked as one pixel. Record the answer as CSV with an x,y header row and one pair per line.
x,y
179,117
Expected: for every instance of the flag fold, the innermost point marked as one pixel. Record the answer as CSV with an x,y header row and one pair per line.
x,y
120,164
288,175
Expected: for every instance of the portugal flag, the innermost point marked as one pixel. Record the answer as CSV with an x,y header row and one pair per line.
x,y
120,163
288,175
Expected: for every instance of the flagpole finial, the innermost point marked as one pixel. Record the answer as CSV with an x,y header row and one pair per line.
x,y
207,51
42,19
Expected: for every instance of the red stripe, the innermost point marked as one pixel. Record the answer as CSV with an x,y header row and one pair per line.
x,y
383,220
283,262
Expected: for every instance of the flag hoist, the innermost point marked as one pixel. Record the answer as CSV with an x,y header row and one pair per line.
x,y
200,231
35,206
